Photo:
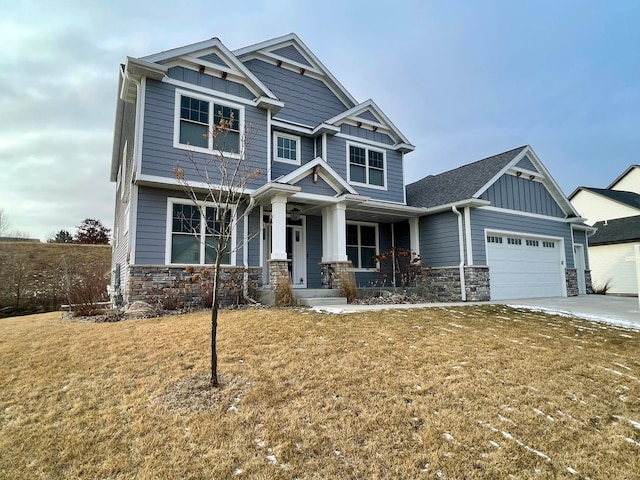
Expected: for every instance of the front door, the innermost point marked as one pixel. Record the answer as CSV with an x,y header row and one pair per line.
x,y
578,251
297,254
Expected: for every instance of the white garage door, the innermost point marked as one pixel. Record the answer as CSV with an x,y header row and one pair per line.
x,y
523,267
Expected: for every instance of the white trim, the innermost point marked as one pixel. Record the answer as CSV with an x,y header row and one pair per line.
x,y
538,177
366,224
328,174
146,179
133,219
269,124
512,233
367,148
365,141
582,285
324,146
212,101
467,231
287,136
139,126
232,247
122,176
527,214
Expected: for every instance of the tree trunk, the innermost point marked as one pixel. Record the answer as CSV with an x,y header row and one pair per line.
x,y
214,323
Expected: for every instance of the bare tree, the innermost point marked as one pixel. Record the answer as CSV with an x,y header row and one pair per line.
x,y
217,187
4,223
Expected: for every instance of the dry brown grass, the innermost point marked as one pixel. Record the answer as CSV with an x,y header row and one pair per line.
x,y
476,392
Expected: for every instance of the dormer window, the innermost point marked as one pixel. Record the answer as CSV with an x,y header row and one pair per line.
x,y
197,118
366,166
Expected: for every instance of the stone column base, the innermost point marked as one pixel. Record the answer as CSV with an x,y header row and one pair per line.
x,y
333,272
278,271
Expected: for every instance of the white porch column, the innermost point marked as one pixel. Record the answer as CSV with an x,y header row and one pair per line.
x,y
339,232
414,236
279,227
327,234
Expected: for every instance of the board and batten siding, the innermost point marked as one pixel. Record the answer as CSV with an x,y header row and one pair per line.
x,y
207,81
528,226
307,100
522,194
159,156
439,244
152,228
366,134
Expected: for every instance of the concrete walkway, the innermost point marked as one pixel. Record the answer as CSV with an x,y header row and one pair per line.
x,y
623,311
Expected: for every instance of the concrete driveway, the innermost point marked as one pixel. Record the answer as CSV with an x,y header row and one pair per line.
x,y
622,311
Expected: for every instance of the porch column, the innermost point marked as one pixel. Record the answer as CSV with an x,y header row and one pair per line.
x,y
327,234
279,227
339,232
414,236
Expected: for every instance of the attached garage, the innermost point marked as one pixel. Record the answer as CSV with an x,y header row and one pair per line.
x,y
522,266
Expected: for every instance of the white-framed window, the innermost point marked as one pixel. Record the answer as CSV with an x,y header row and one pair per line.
x,y
362,244
192,232
286,148
196,118
366,166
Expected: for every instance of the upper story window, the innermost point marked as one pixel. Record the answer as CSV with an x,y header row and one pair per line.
x,y
362,244
366,166
199,120
193,234
286,148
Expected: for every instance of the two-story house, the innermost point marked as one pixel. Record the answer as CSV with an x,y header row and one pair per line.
x,y
330,195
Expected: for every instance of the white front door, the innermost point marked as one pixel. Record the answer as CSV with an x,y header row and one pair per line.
x,y
578,255
297,253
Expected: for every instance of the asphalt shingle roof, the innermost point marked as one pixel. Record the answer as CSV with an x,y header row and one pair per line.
x,y
458,184
631,199
619,230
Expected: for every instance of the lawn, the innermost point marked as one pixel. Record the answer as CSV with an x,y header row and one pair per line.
x,y
474,392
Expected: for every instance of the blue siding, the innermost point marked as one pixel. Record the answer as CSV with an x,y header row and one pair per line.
x,y
306,100
292,53
314,251
319,188
526,164
306,155
439,245
214,58
367,134
482,218
368,115
209,81
519,193
337,158
159,157
152,225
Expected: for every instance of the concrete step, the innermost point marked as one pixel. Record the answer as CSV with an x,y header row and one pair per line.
x,y
321,301
315,292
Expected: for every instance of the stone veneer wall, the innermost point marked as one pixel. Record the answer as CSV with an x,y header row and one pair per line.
x,y
332,273
152,283
442,284
571,278
588,282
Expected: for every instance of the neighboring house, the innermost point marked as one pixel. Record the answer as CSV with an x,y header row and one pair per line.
x,y
331,196
615,212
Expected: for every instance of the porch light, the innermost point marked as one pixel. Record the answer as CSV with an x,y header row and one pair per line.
x,y
295,215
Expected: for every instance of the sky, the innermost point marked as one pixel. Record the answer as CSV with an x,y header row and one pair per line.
x,y
461,79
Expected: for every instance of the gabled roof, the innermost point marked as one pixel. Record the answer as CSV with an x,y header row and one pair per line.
x,y
619,230
622,175
368,113
472,180
214,55
461,183
321,168
630,199
300,57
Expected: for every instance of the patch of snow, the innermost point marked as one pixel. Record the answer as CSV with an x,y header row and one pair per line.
x,y
238,471
327,310
65,388
572,471
447,436
633,442
504,419
545,336
412,347
232,408
337,453
538,412
417,327
259,443
426,467
494,444
585,316
622,366
456,325
272,459
625,336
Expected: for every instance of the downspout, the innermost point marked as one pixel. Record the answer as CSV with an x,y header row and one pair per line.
x,y
245,249
463,288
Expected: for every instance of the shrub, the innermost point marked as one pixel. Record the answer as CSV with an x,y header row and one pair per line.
x,y
603,288
85,291
348,286
284,292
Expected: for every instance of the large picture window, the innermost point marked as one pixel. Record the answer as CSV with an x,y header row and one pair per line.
x,y
198,120
362,245
194,235
366,166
